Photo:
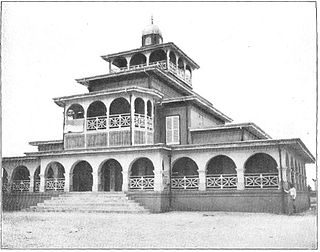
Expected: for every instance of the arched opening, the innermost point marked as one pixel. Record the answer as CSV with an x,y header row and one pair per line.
x,y
158,55
119,106
185,174
221,165
138,59
20,179
172,58
142,174
82,179
261,171
110,176
221,173
184,167
180,64
139,106
96,109
75,111
261,163
36,178
120,62
119,113
54,177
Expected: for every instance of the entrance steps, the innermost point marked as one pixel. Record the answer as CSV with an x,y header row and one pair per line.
x,y
90,202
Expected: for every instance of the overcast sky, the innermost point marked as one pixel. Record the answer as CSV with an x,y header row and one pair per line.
x,y
257,60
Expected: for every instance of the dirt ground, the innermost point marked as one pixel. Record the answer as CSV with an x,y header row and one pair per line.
x,y
166,230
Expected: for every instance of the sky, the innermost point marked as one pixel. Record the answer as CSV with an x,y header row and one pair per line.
x,y
257,60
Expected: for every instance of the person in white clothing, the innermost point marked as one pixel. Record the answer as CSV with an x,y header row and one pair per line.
x,y
293,194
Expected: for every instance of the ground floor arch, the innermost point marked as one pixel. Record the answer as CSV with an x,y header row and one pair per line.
x,y
221,165
260,163
21,179
82,178
54,177
142,174
184,167
110,176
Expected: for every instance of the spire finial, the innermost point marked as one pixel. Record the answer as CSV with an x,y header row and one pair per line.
x,y
151,19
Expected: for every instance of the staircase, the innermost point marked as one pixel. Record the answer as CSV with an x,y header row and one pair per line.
x,y
90,202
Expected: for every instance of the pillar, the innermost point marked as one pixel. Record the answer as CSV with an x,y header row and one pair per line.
x,y
168,59
128,62
132,118
95,180
67,179
125,180
240,179
145,121
158,180
202,180
31,187
110,67
42,183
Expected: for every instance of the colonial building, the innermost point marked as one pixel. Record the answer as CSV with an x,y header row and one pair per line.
x,y
143,130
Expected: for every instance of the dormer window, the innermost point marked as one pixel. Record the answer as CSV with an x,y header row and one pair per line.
x,y
148,41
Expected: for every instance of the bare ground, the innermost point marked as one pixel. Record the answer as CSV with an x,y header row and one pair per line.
x,y
166,230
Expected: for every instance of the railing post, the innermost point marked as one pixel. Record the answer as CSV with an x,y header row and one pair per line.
x,y
261,181
184,182
141,179
221,184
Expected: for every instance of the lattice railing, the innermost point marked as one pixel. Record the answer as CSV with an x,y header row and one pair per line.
x,y
37,185
20,185
222,181
54,184
97,123
138,66
142,183
5,187
261,180
161,64
139,121
119,121
185,182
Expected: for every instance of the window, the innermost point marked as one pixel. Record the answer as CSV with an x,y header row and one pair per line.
x,y
172,130
148,40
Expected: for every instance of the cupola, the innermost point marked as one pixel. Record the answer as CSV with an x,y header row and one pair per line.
x,y
151,35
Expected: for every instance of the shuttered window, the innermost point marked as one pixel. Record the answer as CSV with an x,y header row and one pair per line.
x,y
172,130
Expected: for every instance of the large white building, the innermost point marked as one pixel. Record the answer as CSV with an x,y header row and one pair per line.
x,y
143,130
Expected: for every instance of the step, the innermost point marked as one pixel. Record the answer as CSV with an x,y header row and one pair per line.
x,y
90,211
79,204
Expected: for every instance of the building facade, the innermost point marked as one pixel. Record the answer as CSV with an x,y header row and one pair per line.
x,y
143,130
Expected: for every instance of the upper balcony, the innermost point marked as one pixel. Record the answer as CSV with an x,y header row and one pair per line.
x,y
166,57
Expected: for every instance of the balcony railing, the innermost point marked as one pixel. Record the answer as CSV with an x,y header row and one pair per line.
x,y
119,121
55,184
160,64
222,181
185,182
37,186
20,185
261,180
142,182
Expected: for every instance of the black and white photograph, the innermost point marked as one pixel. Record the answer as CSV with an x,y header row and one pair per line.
x,y
159,125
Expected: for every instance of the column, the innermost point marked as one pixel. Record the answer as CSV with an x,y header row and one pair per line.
x,y
132,118
148,58
31,187
202,180
125,181
240,179
67,179
95,180
110,67
42,183
168,59
158,180
145,121
128,62
284,177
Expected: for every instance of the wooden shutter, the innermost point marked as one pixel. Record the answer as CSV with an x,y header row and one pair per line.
x,y
172,130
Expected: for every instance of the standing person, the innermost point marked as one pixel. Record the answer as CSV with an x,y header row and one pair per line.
x,y
292,194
